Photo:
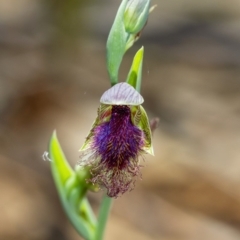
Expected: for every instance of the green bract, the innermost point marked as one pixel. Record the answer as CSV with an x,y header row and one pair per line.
x,y
116,44
134,77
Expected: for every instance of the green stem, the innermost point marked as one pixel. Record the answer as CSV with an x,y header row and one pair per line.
x,y
102,217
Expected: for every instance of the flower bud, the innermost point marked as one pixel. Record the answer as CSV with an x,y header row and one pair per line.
x,y
136,15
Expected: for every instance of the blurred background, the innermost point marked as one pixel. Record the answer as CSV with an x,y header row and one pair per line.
x,y
52,75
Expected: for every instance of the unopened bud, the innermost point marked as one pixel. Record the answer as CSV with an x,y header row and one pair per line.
x,y
136,15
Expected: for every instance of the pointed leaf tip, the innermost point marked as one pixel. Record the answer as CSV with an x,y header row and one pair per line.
x,y
134,77
60,166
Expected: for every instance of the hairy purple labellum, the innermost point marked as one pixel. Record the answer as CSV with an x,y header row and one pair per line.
x,y
119,135
118,143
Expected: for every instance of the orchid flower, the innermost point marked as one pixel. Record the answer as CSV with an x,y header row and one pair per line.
x,y
119,136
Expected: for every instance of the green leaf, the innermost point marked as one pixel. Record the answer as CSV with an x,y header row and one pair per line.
x,y
60,167
71,190
134,77
116,44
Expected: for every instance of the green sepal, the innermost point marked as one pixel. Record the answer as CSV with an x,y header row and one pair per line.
x,y
140,119
134,77
116,44
104,114
71,189
145,126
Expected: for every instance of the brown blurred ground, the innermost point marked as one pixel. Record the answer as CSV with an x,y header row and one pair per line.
x,y
52,74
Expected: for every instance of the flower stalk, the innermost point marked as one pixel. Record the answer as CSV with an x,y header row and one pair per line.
x,y
103,217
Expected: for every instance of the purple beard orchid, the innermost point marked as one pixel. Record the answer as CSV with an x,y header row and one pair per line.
x,y
119,135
